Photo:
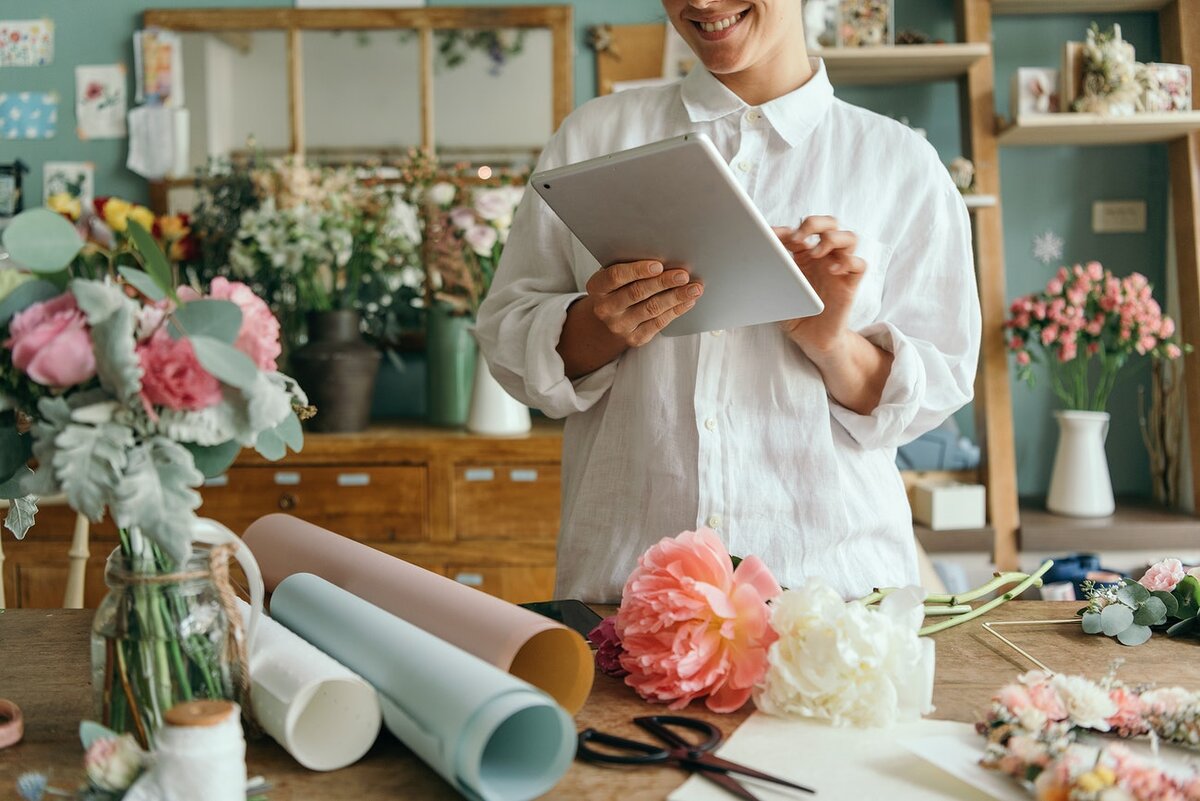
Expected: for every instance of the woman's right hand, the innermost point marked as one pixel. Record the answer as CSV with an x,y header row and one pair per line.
x,y
636,300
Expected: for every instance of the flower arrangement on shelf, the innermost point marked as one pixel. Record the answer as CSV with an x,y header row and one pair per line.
x,y
1037,732
129,391
1166,598
1085,316
695,622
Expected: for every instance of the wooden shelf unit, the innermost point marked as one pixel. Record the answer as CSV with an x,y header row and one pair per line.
x,y
852,66
968,540
975,201
1136,526
1076,6
1070,128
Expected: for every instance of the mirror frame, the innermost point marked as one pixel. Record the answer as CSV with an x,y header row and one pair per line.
x,y
293,21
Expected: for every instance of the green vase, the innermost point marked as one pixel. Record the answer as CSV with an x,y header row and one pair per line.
x,y
451,371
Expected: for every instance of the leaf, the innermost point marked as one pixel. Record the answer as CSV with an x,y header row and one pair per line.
x,y
1169,601
24,296
157,493
152,258
1187,593
41,240
219,319
213,460
1134,635
1091,623
1131,593
90,732
14,452
293,434
1151,613
1185,628
113,319
225,362
142,282
99,300
14,487
270,445
1115,618
21,512
54,414
89,463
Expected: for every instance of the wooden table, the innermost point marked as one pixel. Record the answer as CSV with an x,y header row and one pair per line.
x,y
44,668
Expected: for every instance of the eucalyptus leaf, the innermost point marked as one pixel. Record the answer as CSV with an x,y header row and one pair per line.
x,y
1091,623
1131,593
219,319
225,362
41,240
1170,602
142,282
1151,613
90,732
152,258
1134,635
21,513
1115,618
213,460
270,445
14,452
24,296
291,432
15,486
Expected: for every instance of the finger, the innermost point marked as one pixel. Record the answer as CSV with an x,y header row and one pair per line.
x,y
616,304
816,224
650,329
835,240
663,302
847,265
609,279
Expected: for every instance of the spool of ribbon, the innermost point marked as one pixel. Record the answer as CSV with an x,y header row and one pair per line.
x,y
12,723
199,755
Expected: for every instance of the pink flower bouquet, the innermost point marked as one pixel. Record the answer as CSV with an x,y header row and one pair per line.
x,y
1087,314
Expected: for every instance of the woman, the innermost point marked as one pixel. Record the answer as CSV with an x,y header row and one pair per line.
x,y
780,437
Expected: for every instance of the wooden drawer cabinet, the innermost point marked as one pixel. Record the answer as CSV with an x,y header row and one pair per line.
x,y
481,510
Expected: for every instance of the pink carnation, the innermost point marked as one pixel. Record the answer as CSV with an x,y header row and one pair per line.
x,y
258,337
608,648
1128,720
692,626
173,376
51,343
1163,576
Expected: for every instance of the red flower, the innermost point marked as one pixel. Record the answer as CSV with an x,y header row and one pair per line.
x,y
93,91
99,204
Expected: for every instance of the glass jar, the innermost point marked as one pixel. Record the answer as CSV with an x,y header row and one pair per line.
x,y
159,639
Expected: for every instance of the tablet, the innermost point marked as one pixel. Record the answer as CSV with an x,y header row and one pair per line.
x,y
678,202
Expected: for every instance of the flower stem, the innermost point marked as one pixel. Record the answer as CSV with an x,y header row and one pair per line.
x,y
943,611
1000,580
1033,580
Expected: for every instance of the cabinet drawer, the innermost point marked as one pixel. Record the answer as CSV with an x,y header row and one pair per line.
x,y
516,584
363,503
42,586
507,501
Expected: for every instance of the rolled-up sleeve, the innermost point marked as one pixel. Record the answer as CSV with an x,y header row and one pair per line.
x,y
521,319
929,321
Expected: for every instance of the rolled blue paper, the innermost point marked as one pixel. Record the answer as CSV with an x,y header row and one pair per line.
x,y
492,736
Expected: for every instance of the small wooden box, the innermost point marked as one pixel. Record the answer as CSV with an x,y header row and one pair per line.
x,y
945,506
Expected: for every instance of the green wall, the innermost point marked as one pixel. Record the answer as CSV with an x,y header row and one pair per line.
x,y
1043,188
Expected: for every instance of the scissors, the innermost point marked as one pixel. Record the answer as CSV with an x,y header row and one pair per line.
x,y
692,757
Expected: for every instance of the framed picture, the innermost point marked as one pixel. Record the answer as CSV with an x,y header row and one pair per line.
x,y
360,3
1165,87
10,188
1035,90
866,23
74,178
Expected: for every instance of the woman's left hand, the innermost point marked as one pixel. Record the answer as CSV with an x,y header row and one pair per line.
x,y
825,254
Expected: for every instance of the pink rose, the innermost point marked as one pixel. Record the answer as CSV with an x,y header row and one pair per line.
x,y
1129,720
258,337
173,376
608,648
1163,575
692,626
1014,697
1023,358
51,343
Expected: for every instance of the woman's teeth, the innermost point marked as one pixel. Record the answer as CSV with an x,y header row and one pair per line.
x,y
719,25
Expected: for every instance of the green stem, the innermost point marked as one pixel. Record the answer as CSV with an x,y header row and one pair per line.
x,y
943,611
998,581
1034,580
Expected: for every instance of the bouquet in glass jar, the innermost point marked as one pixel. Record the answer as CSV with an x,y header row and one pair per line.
x,y
128,391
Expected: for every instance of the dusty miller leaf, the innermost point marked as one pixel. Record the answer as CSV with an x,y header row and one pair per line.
x,y
90,462
54,414
157,494
21,512
113,318
98,300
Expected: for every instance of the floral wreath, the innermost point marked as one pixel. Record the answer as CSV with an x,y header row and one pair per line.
x,y
1034,729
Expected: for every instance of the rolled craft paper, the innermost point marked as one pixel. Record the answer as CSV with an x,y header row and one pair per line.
x,y
490,735
324,715
544,653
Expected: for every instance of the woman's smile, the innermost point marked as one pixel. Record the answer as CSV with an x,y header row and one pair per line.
x,y
717,28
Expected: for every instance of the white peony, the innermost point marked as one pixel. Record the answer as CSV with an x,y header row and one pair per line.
x,y
846,662
493,204
1086,703
481,238
442,193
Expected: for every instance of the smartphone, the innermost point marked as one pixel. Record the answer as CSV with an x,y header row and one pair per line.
x,y
571,613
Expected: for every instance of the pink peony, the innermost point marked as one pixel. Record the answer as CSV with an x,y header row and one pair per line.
x,y
691,625
608,648
173,376
258,337
1015,698
51,343
1163,576
1129,720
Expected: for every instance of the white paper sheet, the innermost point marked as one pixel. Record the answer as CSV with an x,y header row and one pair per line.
x,y
841,764
100,101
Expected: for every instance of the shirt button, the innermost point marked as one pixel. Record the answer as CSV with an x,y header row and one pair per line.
x,y
744,166
717,333
714,521
753,116
711,424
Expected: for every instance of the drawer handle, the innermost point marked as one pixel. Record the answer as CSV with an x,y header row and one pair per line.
x,y
470,579
354,479
522,475
287,501
287,479
217,481
480,474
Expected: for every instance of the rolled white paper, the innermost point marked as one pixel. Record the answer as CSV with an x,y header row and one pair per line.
x,y
323,714
490,735
196,763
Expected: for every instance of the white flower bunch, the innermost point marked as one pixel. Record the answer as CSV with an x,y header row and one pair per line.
x,y
846,662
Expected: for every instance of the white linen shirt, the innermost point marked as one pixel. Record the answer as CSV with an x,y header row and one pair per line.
x,y
735,430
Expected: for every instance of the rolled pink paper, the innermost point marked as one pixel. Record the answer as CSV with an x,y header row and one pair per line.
x,y
544,653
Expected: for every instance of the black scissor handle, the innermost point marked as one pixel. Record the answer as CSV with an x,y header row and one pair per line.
x,y
658,725
637,753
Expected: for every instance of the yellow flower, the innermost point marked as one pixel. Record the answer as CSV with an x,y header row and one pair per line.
x,y
1105,774
116,214
171,227
143,217
1094,780
66,204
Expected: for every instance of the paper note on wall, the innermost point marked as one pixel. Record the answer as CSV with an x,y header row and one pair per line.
x,y
73,178
26,43
100,101
28,115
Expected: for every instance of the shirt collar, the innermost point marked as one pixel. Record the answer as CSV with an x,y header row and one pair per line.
x,y
793,116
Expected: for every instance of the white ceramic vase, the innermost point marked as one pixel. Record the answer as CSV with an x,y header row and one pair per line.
x,y
494,411
1080,485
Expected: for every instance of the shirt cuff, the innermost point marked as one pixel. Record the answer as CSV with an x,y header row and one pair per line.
x,y
546,377
901,399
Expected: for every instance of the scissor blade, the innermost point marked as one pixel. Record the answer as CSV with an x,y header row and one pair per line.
x,y
710,762
730,784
